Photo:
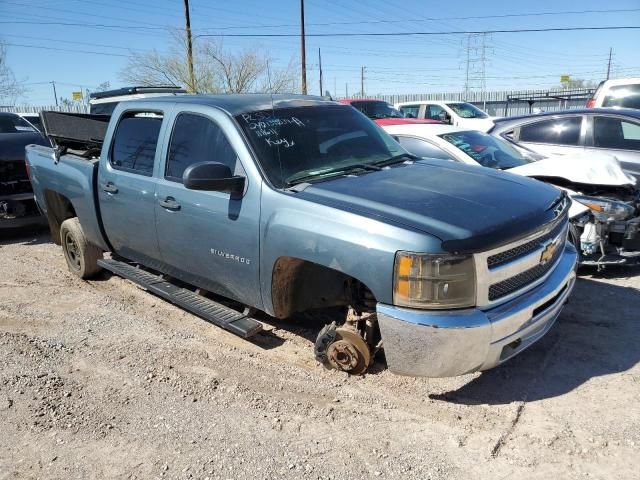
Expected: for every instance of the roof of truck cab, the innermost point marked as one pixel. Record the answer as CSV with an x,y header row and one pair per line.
x,y
237,104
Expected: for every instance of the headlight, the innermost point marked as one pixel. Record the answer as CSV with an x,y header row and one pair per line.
x,y
434,281
606,210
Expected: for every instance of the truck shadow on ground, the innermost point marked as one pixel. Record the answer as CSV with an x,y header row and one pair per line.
x,y
597,334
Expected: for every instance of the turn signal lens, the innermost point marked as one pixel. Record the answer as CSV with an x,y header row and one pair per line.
x,y
434,281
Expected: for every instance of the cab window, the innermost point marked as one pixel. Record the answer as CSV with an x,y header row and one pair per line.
x,y
135,142
564,131
196,139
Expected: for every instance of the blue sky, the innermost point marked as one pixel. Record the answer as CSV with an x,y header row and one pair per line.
x,y
85,56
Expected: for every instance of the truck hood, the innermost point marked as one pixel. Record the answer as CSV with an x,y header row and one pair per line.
x,y
469,208
594,169
12,145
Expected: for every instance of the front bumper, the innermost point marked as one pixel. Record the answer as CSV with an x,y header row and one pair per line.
x,y
448,343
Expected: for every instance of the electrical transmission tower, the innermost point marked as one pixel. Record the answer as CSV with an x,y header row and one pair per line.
x,y
476,60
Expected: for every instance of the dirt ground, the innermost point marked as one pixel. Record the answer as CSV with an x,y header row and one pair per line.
x,y
100,379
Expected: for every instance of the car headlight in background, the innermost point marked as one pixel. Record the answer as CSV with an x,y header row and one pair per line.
x,y
434,281
606,210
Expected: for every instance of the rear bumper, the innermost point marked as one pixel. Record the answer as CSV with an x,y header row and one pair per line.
x,y
444,344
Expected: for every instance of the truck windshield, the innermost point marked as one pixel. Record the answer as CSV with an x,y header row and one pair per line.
x,y
10,123
467,110
488,151
295,145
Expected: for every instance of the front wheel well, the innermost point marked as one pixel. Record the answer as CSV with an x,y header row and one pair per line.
x,y
299,285
59,208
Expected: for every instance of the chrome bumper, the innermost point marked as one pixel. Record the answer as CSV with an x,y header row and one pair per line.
x,y
448,343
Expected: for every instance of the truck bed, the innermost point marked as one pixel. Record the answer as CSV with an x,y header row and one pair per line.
x,y
72,176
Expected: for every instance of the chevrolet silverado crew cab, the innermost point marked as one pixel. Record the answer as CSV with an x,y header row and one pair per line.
x,y
228,205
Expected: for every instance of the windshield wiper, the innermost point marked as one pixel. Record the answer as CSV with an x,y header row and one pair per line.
x,y
395,159
324,174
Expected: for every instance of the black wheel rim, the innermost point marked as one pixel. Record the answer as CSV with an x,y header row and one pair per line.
x,y
73,252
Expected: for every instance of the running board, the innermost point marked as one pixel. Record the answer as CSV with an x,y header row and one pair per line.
x,y
214,312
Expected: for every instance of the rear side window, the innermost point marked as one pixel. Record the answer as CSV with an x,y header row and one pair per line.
x,y
611,132
423,149
135,142
627,96
410,111
565,131
197,139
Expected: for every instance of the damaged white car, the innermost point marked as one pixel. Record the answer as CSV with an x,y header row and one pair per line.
x,y
605,213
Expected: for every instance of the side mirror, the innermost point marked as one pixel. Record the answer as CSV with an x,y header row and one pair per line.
x,y
212,176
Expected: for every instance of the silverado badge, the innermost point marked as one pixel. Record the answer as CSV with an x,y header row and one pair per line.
x,y
548,252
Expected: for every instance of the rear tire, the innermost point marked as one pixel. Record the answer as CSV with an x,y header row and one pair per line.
x,y
81,256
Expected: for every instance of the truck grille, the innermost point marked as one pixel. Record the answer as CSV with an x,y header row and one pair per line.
x,y
515,283
521,250
513,268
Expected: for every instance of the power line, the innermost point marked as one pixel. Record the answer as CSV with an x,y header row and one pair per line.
x,y
405,34
430,19
67,50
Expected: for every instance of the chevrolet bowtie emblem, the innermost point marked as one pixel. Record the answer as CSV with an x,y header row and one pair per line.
x,y
548,252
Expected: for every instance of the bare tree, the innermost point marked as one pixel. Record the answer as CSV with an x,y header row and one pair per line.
x,y
10,88
216,70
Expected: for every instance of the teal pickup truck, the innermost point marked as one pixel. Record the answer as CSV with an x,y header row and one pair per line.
x,y
285,203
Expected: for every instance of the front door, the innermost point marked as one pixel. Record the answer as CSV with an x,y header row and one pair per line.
x,y
208,238
618,137
126,187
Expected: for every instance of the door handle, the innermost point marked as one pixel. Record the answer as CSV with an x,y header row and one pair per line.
x,y
109,188
170,204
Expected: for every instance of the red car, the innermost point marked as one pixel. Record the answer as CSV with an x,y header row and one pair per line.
x,y
381,112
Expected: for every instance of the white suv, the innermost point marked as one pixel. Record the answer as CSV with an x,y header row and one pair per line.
x,y
624,92
459,114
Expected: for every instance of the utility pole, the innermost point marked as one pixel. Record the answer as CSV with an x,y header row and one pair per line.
x,y
187,18
362,81
609,64
303,53
320,66
346,90
55,95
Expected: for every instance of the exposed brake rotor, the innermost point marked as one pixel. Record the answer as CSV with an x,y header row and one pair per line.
x,y
342,349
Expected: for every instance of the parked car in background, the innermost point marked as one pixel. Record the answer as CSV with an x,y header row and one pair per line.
x,y
287,203
17,205
381,112
623,92
605,213
33,119
459,114
611,131
103,103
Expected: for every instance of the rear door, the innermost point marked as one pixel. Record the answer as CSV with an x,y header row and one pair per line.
x,y
207,238
127,188
553,136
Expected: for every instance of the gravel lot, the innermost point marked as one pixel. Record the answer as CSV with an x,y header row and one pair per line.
x,y
100,379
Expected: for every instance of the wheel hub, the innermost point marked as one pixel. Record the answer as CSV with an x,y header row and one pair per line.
x,y
346,350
